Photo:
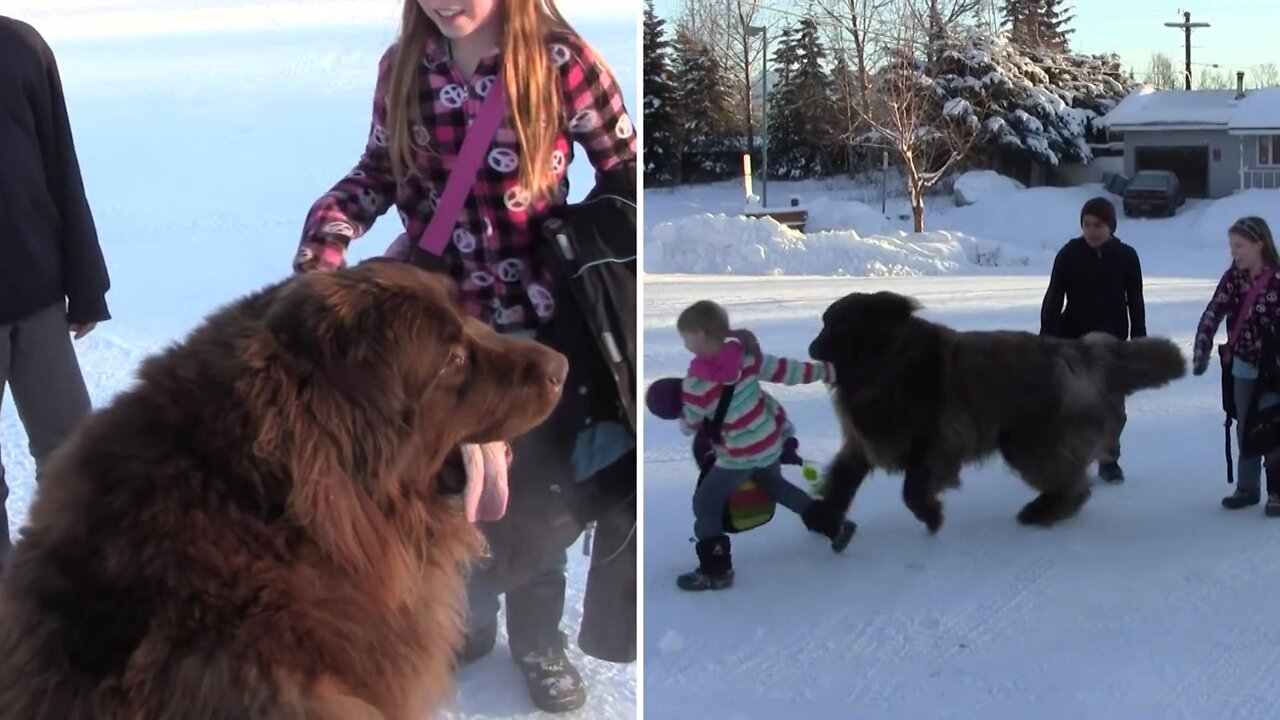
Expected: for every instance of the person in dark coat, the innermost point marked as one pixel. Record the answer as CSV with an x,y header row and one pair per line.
x,y
1100,278
53,280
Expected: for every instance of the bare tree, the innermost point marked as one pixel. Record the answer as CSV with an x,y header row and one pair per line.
x,y
943,16
1265,75
722,25
857,22
1213,79
927,138
1160,74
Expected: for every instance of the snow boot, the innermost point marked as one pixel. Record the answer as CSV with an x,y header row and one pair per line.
x,y
1110,472
555,685
821,518
1272,508
1241,499
715,566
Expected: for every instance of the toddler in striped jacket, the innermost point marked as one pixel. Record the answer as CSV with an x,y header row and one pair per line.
x,y
749,442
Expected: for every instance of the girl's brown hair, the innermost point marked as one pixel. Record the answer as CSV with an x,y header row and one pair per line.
x,y
534,101
1255,229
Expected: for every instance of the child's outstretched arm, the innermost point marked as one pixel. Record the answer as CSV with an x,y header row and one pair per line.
x,y
351,207
699,399
788,371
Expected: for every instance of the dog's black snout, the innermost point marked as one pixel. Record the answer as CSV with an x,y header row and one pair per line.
x,y
816,350
555,368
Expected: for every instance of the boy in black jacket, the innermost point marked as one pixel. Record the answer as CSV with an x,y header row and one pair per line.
x,y
53,281
1101,280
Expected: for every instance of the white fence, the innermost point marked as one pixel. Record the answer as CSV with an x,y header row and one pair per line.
x,y
1259,179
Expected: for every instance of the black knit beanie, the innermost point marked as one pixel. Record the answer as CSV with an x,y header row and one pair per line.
x,y
1102,209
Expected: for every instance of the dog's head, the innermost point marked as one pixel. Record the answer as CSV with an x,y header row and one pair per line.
x,y
859,324
370,376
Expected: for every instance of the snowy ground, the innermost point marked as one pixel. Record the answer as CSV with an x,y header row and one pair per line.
x,y
204,139
1153,603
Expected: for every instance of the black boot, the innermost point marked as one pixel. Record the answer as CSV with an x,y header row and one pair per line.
x,y
1241,499
824,520
1272,508
715,566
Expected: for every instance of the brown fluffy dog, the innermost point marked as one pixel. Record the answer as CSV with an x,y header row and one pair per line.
x,y
261,527
922,399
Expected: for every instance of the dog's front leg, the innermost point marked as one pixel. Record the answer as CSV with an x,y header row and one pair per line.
x,y
920,493
845,475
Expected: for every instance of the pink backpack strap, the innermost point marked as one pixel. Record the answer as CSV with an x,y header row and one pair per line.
x,y
462,176
1246,306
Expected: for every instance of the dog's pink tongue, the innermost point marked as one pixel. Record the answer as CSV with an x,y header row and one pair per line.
x,y
486,468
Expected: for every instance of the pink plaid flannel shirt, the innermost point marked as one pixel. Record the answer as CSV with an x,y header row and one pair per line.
x,y
491,256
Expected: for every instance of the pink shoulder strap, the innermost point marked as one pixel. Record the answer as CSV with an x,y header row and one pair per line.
x,y
1246,306
463,175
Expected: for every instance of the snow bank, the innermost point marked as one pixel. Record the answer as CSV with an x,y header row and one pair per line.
x,y
1212,223
828,213
722,244
977,185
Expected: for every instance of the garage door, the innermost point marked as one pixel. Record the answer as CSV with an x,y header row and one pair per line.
x,y
1190,164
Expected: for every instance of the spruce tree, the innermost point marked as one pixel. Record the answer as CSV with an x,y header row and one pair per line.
x,y
702,98
802,112
1037,24
661,114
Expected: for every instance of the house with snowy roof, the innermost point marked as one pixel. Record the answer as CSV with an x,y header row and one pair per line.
x,y
1217,141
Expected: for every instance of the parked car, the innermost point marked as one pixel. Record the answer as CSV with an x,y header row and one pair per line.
x,y
1154,192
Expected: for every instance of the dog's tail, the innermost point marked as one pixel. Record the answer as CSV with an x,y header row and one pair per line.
x,y
1140,364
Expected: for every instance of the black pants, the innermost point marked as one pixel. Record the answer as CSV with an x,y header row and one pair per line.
x,y
534,608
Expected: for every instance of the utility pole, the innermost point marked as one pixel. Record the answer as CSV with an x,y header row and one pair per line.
x,y
1186,25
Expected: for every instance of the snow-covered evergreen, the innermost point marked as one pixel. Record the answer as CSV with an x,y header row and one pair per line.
x,y
803,120
661,114
705,109
1031,103
1037,24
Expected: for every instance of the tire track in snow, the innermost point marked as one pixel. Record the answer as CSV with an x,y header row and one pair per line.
x,y
963,632
1232,656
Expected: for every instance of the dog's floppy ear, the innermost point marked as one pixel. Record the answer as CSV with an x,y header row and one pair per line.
x,y
887,307
304,324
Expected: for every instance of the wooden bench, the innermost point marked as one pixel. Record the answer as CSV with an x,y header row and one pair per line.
x,y
794,218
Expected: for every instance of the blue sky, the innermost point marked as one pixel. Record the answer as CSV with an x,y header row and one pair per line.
x,y
1243,32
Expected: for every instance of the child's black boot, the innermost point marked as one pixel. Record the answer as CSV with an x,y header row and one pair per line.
x,y
1241,498
823,519
1272,508
715,566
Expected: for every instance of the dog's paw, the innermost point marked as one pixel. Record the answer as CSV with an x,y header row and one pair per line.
x,y
1037,513
931,516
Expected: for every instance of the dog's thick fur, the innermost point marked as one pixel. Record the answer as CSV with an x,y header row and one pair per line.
x,y
922,399
265,525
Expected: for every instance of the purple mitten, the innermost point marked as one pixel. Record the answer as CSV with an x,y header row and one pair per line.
x,y
663,398
791,452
